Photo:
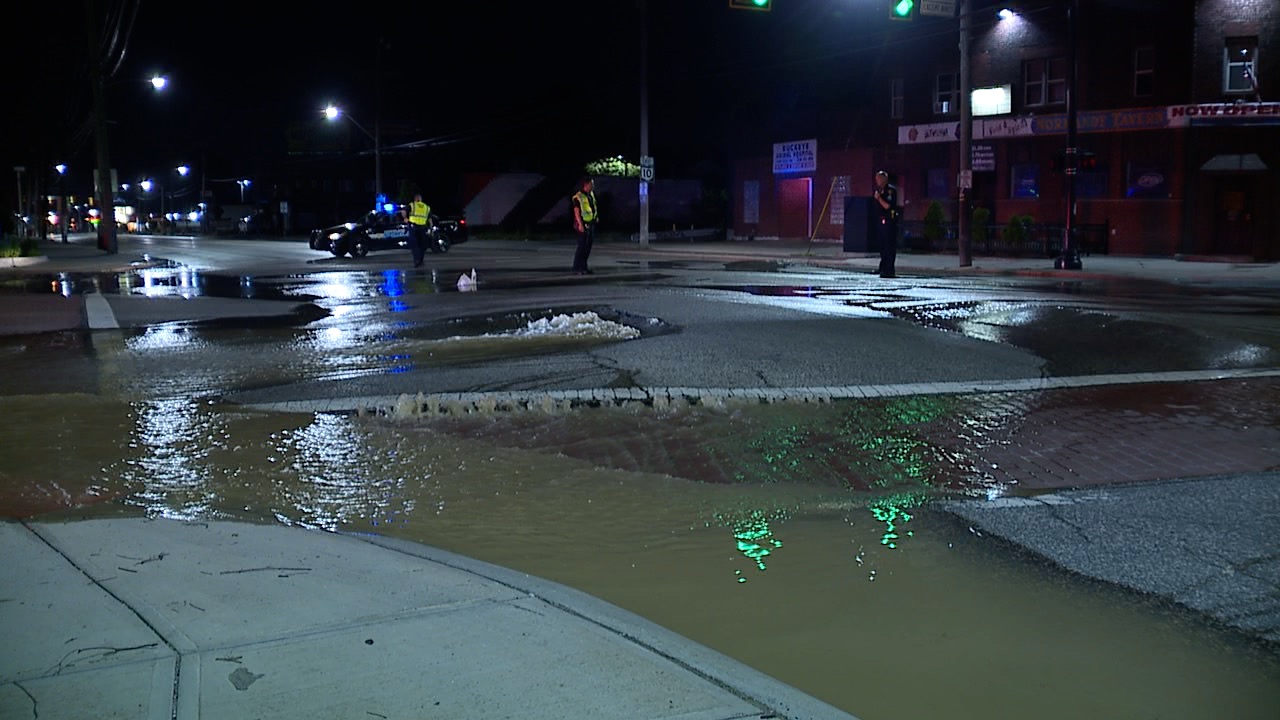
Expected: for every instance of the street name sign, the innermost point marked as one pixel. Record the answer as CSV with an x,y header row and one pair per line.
x,y
938,8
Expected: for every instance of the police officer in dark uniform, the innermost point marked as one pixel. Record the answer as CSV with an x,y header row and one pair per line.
x,y
886,197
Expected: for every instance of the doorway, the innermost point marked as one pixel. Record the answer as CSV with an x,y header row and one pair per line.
x,y
1235,215
795,208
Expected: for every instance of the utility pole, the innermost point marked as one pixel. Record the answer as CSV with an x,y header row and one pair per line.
x,y
1070,257
966,137
644,120
377,126
102,183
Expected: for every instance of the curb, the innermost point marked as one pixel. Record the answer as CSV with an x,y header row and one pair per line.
x,y
16,262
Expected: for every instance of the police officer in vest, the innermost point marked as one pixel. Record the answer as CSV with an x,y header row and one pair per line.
x,y
584,221
419,217
886,197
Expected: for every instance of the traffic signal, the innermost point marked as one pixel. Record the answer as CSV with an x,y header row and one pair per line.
x,y
1085,162
901,9
765,5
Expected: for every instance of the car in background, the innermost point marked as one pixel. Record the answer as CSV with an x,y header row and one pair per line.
x,y
380,230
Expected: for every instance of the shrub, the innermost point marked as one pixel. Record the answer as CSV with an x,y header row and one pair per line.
x,y
14,247
933,219
981,216
1015,231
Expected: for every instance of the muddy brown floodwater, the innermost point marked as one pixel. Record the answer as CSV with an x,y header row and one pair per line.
x,y
834,575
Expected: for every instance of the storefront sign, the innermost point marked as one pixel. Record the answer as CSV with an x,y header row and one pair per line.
x,y
1002,127
1181,115
983,158
839,191
795,157
1154,118
929,133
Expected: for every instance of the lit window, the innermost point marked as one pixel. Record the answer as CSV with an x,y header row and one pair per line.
x,y
1044,81
895,98
946,96
1239,57
1144,71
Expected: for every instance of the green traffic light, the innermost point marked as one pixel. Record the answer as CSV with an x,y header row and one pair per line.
x,y
902,8
759,3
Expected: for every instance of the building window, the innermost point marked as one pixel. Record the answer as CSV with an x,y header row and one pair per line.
x,y
1147,179
946,96
895,98
1024,181
1044,82
1238,62
1144,71
1093,182
938,182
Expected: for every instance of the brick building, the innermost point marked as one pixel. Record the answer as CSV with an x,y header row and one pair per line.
x,y
1176,109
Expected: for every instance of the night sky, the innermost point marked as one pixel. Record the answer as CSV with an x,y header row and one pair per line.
x,y
492,85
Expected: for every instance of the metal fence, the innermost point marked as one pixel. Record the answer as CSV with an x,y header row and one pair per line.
x,y
1034,239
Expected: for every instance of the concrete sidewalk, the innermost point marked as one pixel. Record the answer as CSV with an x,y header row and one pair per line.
x,y
136,618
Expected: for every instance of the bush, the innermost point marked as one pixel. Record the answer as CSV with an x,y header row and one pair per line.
x,y
13,247
933,219
981,216
1017,230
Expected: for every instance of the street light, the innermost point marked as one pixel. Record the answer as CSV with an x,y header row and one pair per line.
x,y
333,112
159,82
63,220
183,170
243,183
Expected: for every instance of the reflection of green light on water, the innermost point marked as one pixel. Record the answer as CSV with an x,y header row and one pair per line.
x,y
892,511
755,539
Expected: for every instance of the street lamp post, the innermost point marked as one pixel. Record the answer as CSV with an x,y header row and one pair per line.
x,y
332,112
243,183
63,219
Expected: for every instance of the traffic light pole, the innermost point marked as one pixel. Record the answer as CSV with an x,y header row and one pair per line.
x,y
1070,257
644,119
107,239
966,138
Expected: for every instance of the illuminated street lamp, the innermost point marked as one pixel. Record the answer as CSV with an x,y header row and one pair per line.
x,y
333,112
159,82
243,183
183,170
61,169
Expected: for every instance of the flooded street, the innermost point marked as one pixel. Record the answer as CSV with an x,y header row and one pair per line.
x,y
806,539
858,593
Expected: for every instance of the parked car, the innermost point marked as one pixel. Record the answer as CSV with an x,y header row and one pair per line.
x,y
386,231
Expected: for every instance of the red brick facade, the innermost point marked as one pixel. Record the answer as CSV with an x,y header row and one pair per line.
x,y
1185,162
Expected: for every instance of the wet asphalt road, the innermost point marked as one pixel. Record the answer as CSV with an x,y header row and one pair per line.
x,y
1207,543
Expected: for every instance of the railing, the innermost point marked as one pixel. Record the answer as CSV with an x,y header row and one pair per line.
x,y
1043,240
700,234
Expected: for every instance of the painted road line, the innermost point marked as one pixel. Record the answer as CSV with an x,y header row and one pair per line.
x,y
98,312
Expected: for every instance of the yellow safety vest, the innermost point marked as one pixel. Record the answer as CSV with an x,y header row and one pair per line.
x,y
418,212
587,202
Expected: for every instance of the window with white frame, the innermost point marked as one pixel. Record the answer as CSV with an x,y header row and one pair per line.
x,y
1239,58
1044,81
946,95
895,98
1144,71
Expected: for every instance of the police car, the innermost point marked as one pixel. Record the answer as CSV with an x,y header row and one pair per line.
x,y
386,231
